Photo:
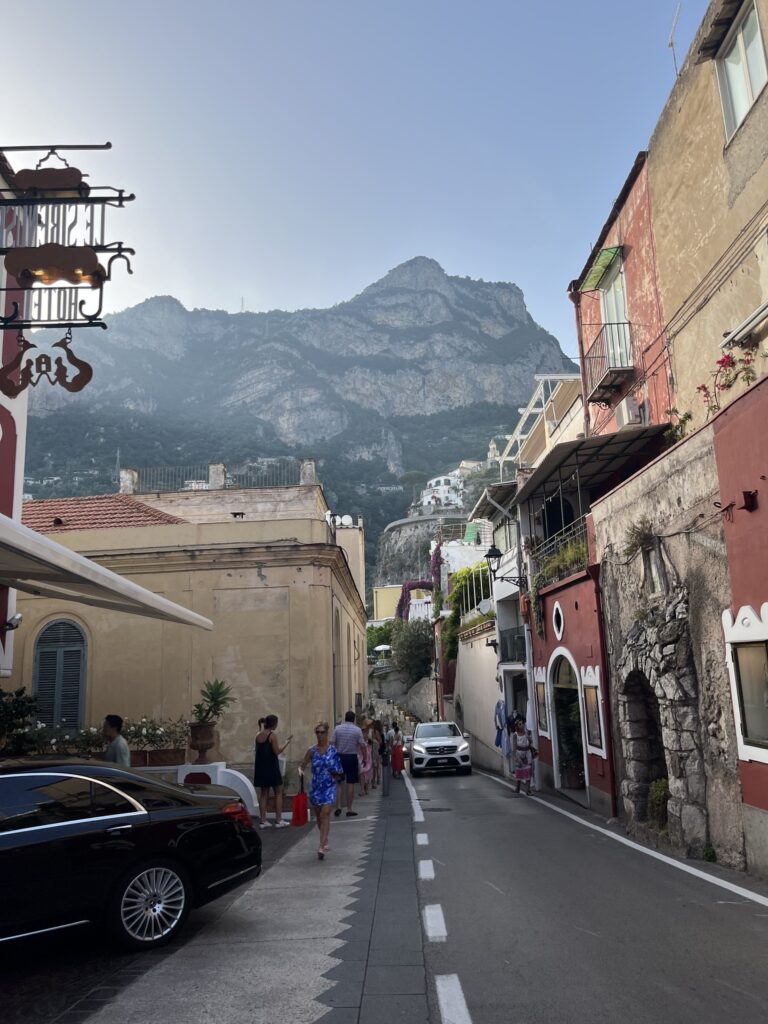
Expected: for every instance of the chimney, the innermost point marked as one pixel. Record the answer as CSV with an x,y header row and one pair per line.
x,y
307,473
129,481
217,476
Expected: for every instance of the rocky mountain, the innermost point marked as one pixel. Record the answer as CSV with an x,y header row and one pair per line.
x,y
414,373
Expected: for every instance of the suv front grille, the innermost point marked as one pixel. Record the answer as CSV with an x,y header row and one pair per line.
x,y
440,751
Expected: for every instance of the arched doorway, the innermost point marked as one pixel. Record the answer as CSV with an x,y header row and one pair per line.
x,y
642,748
59,674
566,710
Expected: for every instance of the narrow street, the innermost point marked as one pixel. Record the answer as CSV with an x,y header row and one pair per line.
x,y
548,920
535,913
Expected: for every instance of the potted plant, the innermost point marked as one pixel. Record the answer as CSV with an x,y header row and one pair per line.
x,y
216,698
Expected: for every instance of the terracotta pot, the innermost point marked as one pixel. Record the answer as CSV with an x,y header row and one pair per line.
x,y
166,756
201,738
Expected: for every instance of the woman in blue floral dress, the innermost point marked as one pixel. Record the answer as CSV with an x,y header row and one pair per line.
x,y
326,770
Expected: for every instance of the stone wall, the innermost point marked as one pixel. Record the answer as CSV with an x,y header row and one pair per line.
x,y
681,571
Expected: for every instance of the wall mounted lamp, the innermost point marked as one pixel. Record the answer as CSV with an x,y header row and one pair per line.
x,y
493,558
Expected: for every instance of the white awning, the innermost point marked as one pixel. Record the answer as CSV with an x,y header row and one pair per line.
x,y
37,565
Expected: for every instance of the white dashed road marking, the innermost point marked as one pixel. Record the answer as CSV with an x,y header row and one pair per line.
x,y
434,923
422,839
450,999
426,871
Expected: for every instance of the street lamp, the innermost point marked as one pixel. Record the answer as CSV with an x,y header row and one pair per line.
x,y
493,558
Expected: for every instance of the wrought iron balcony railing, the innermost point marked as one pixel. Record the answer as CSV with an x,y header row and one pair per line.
x,y
512,644
562,554
608,362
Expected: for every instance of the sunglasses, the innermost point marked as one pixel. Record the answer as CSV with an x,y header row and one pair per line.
x,y
320,732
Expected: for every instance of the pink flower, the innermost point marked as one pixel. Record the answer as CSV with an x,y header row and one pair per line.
x,y
726,362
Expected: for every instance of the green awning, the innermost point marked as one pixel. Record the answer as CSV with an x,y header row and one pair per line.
x,y
599,268
472,533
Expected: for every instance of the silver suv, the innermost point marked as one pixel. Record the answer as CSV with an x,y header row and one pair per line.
x,y
439,745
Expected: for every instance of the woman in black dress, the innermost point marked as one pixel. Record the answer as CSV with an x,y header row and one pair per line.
x,y
266,771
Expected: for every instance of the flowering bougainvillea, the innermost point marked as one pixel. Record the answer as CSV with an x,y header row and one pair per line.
x,y
404,604
728,369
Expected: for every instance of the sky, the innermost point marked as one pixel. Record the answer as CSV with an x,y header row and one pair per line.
x,y
286,154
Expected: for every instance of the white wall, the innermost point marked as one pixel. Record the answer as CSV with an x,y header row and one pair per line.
x,y
478,691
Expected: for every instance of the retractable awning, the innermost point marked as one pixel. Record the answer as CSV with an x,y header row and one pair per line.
x,y
593,463
37,565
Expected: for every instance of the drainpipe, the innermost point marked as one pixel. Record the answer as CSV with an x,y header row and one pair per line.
x,y
594,574
575,296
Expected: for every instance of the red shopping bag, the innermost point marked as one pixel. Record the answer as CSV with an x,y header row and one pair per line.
x,y
300,814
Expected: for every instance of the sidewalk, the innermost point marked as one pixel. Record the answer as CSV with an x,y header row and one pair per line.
x,y
337,941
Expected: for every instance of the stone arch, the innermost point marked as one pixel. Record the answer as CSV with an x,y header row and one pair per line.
x,y
642,744
657,659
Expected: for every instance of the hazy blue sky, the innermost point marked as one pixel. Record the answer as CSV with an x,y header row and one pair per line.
x,y
291,152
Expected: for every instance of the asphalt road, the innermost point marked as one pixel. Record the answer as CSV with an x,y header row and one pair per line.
x,y
550,921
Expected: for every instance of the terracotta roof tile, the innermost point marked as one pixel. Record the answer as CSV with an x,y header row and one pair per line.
x,y
58,515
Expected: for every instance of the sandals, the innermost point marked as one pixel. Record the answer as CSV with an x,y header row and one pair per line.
x,y
320,855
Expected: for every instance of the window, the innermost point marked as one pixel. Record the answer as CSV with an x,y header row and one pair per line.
x,y
36,800
654,571
59,674
751,665
741,69
614,315
541,705
592,710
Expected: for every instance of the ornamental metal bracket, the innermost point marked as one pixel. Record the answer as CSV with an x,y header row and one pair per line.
x,y
521,582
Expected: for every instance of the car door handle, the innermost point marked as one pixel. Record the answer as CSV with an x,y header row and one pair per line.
x,y
117,828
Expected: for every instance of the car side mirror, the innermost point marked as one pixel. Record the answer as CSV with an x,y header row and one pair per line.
x,y
465,735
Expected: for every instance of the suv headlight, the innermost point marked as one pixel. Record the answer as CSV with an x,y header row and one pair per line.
x,y
417,749
463,747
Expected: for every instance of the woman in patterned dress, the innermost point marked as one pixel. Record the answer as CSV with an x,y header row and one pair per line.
x,y
523,753
326,771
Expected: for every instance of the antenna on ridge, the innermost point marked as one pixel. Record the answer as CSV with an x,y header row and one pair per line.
x,y
671,40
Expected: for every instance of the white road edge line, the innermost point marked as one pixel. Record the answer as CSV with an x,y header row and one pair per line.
x,y
434,923
422,839
426,871
450,999
696,872
418,814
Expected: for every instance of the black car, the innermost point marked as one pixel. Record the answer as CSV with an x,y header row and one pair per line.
x,y
88,842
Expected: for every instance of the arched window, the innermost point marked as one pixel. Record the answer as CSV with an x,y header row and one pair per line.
x,y
59,674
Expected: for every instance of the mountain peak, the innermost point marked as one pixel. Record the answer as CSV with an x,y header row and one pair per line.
x,y
418,274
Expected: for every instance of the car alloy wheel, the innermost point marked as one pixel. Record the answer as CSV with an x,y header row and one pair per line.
x,y
153,901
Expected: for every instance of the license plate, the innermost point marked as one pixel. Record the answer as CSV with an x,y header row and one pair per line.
x,y
442,760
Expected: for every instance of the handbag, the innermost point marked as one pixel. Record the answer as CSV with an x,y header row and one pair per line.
x,y
300,815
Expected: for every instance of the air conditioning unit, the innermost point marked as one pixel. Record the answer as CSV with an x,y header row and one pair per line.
x,y
628,413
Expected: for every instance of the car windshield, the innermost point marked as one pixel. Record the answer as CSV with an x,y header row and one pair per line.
x,y
434,730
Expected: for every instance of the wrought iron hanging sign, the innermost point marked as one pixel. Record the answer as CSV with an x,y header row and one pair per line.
x,y
57,256
25,371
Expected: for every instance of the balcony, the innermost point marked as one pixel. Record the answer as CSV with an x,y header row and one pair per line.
x,y
563,554
512,644
608,362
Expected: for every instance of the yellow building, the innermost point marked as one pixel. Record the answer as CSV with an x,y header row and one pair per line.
x,y
284,592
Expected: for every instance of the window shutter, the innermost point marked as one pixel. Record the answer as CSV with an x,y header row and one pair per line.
x,y
69,688
59,674
45,685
